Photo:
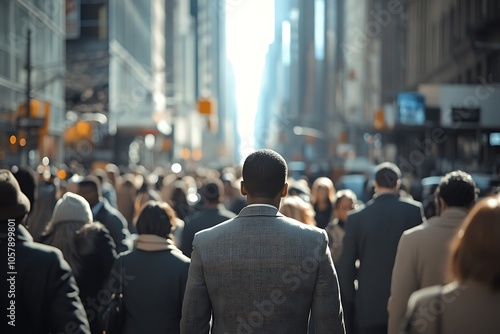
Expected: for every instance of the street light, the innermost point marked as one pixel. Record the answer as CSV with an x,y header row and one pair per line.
x,y
305,131
27,126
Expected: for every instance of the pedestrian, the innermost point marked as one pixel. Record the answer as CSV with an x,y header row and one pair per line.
x,y
261,271
323,200
212,213
41,213
90,189
295,207
95,254
158,273
70,214
371,237
346,201
471,302
423,251
44,295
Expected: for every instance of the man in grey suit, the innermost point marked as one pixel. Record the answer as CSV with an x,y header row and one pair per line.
x,y
262,272
372,235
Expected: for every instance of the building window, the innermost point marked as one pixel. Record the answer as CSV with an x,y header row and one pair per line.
x,y
93,20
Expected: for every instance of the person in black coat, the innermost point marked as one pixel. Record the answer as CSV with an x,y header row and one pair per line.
x,y
155,274
103,212
372,236
41,291
95,250
213,213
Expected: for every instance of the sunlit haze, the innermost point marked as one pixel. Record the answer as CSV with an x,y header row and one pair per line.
x,y
249,31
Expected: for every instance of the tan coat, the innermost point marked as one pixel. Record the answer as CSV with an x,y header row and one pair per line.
x,y
468,308
421,261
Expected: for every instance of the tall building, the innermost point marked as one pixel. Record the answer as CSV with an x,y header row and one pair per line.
x,y
374,50
454,63
137,72
37,75
198,92
298,103
115,80
453,41
217,131
87,80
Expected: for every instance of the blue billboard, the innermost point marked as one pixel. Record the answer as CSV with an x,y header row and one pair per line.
x,y
411,109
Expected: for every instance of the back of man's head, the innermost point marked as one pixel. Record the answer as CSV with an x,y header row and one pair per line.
x,y
212,190
264,173
387,175
457,189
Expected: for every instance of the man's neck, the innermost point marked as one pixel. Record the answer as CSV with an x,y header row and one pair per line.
x,y
382,191
263,200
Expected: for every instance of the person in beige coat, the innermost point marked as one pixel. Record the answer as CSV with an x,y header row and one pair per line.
x,y
424,250
471,303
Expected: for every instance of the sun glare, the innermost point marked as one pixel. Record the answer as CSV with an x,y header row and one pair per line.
x,y
249,32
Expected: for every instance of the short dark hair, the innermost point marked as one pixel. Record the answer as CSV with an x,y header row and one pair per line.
x,y
476,248
91,181
264,173
458,189
212,189
387,175
156,218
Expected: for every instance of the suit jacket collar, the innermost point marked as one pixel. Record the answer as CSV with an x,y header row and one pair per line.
x,y
387,195
96,208
259,210
451,217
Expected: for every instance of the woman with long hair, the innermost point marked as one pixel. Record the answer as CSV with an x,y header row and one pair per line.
x,y
323,200
471,303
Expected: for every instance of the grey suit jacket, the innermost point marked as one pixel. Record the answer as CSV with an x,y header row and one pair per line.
x,y
261,272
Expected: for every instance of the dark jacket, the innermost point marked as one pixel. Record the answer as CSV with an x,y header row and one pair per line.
x,y
372,237
153,290
116,224
200,220
95,251
46,295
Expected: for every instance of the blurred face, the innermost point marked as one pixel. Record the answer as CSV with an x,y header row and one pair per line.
x,y
345,205
89,194
322,194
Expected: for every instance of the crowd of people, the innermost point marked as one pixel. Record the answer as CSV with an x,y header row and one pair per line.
x,y
246,250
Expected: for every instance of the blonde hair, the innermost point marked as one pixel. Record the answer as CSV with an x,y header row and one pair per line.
x,y
296,208
323,182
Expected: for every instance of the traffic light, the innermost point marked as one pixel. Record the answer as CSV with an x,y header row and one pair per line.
x,y
39,116
207,106
379,121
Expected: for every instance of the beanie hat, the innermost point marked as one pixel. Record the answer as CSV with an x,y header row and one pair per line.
x,y
13,203
72,207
